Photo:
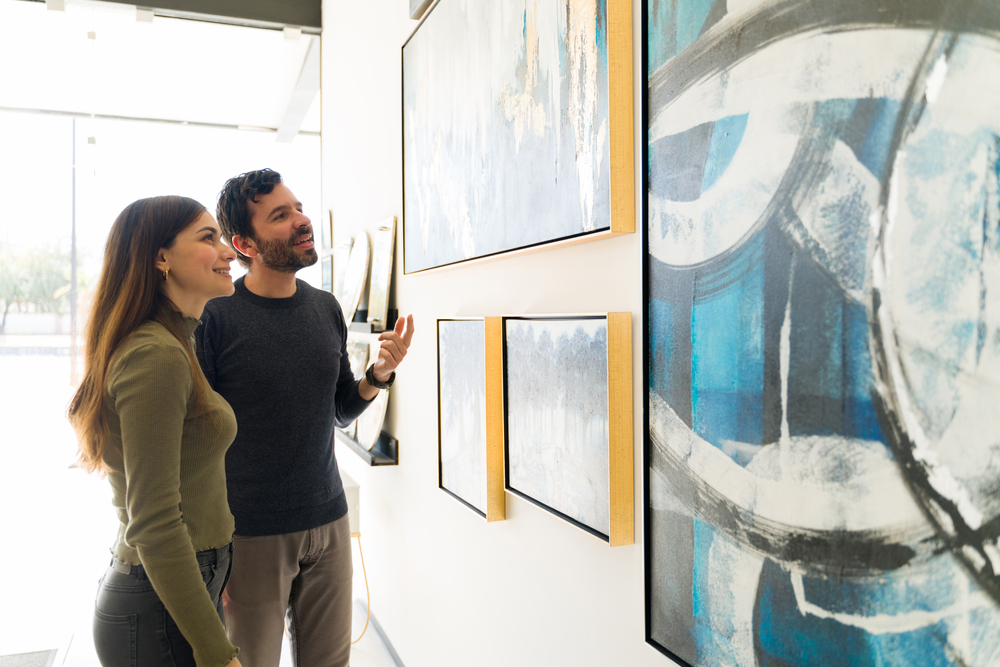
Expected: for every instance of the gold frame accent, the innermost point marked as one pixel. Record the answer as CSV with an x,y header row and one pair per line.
x,y
620,436
622,117
496,508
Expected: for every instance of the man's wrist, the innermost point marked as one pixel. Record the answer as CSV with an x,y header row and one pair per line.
x,y
377,382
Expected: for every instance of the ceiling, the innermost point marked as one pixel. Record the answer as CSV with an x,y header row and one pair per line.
x,y
97,58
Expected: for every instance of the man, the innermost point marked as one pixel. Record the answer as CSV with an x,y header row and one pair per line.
x,y
276,351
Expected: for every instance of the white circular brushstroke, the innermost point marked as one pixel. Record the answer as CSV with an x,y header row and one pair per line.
x,y
803,69
874,497
939,274
689,233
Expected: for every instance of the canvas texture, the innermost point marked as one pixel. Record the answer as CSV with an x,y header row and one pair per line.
x,y
823,332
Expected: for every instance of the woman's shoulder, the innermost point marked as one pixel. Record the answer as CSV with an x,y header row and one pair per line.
x,y
151,333
150,344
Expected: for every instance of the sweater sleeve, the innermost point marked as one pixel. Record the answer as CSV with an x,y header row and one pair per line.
x,y
150,395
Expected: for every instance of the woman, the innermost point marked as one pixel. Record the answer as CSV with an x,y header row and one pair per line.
x,y
146,417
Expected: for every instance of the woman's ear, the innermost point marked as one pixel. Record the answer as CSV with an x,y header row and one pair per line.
x,y
162,262
244,246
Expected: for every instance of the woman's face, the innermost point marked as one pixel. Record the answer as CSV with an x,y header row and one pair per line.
x,y
198,264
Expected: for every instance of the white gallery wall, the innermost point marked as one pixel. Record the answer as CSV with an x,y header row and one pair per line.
x,y
448,588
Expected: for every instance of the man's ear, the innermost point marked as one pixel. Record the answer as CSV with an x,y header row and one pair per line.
x,y
244,246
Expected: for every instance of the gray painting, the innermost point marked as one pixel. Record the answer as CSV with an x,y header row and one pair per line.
x,y
462,410
557,416
505,128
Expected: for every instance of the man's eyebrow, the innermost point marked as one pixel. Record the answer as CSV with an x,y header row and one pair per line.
x,y
298,207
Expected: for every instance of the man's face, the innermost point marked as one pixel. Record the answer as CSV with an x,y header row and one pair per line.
x,y
282,233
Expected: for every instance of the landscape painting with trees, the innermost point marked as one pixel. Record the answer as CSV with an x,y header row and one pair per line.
x,y
462,410
556,379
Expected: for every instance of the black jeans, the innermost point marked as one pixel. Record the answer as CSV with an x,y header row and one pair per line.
x,y
132,628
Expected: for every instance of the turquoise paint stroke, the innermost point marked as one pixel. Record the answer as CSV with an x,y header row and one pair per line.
x,y
726,138
673,26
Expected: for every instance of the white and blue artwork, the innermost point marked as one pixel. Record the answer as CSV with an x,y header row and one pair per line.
x,y
462,411
506,135
823,332
556,416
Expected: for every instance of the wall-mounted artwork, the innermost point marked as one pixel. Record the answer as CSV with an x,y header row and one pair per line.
x,y
355,276
328,232
418,7
470,428
327,273
517,128
369,423
568,418
822,332
341,258
383,248
357,353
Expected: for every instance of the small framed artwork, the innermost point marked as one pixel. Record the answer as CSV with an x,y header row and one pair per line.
x,y
328,273
383,246
370,421
341,257
328,232
355,276
418,7
568,419
470,414
357,354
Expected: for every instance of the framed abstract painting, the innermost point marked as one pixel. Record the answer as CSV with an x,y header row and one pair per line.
x,y
517,128
470,428
822,332
568,419
357,354
418,7
369,423
380,276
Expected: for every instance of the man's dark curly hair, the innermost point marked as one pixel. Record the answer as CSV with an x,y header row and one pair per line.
x,y
233,211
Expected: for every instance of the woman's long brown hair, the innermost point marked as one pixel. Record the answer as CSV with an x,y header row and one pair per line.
x,y
129,293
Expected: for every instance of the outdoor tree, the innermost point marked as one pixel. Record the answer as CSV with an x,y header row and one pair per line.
x,y
33,280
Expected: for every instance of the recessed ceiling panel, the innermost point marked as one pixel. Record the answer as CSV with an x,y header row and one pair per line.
x,y
97,58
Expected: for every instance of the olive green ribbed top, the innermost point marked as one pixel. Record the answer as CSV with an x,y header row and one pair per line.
x,y
166,465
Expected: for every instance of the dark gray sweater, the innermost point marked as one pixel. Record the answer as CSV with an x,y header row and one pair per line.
x,y
282,365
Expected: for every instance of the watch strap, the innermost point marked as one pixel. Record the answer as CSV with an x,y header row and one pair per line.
x,y
370,376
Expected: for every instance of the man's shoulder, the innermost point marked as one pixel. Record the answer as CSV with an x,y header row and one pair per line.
x,y
310,292
317,296
221,306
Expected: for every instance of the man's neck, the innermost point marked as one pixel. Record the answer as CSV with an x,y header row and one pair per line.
x,y
268,283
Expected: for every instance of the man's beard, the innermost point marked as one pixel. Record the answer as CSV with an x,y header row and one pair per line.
x,y
281,255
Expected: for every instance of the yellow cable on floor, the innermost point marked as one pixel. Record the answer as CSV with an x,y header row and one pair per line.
x,y
368,599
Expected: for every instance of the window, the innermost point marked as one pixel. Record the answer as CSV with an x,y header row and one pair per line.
x,y
86,127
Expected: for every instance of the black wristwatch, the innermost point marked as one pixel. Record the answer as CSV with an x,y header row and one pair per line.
x,y
370,376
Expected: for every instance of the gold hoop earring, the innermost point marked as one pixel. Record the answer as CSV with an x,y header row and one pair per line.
x,y
165,272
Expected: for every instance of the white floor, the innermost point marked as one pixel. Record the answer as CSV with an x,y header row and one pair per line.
x,y
57,524
77,648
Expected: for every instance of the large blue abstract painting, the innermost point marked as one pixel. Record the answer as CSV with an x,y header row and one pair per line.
x,y
506,128
823,331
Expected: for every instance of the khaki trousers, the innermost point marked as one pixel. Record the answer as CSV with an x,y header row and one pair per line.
x,y
304,577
